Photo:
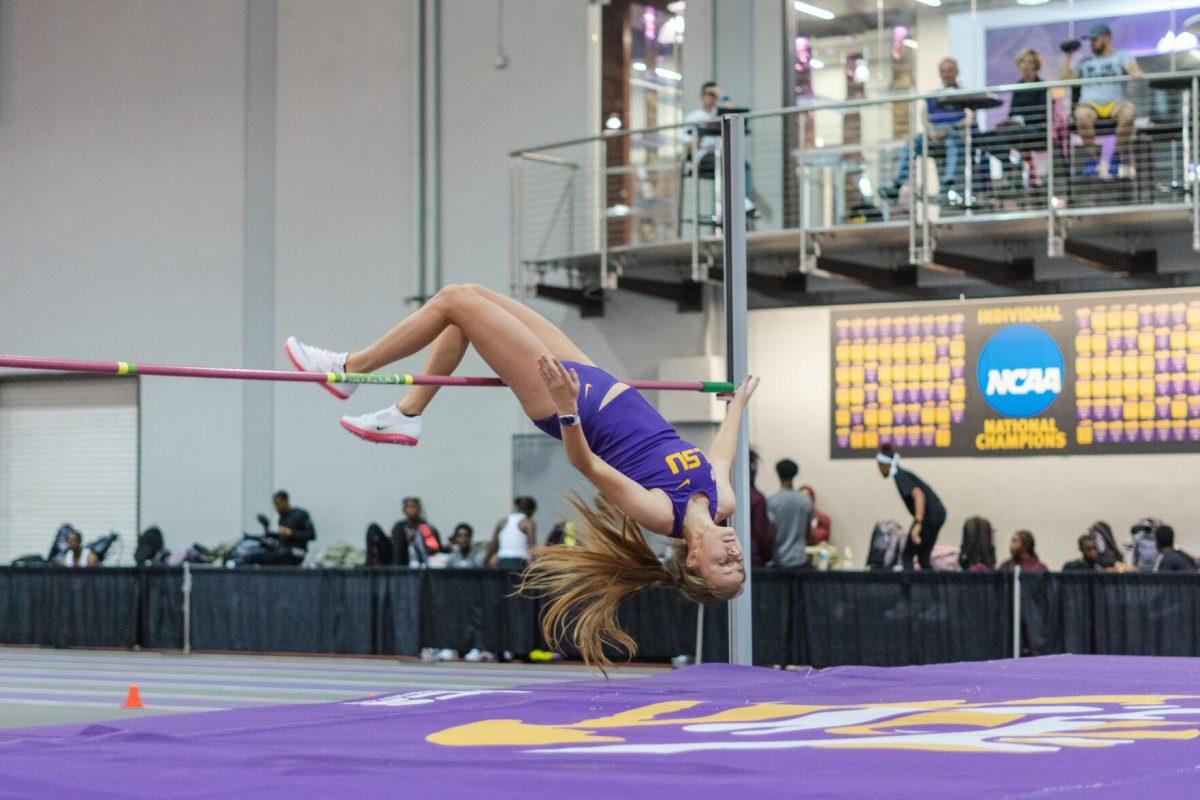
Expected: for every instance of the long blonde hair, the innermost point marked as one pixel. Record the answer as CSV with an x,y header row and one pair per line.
x,y
585,584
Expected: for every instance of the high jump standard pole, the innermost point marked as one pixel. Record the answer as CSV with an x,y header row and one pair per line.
x,y
741,643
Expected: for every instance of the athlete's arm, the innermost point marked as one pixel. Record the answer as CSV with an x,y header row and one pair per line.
x,y
724,446
918,497
651,510
530,529
1132,68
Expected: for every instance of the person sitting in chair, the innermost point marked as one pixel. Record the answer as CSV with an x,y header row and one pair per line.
x,y
707,139
946,129
75,555
1102,100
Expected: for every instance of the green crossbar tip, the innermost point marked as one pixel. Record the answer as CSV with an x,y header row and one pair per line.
x,y
718,387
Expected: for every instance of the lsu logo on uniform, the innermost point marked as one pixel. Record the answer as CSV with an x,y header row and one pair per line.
x,y
684,460
1020,371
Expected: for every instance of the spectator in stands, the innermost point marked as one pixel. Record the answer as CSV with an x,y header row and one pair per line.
x,y
946,128
978,550
708,118
463,553
929,515
296,528
1089,557
1170,559
413,538
562,534
1028,106
822,526
1025,128
1143,546
791,514
515,537
74,555
761,536
1023,551
1102,100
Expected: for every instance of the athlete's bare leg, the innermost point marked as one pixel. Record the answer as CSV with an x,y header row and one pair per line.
x,y
507,344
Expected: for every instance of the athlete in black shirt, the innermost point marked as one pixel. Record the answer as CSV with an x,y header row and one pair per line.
x,y
929,515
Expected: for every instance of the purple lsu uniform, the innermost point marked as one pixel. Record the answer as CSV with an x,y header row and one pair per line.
x,y
630,436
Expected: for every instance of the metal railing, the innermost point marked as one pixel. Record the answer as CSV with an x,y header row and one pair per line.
x,y
591,206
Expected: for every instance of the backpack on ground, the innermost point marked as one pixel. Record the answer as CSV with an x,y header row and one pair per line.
x,y
887,541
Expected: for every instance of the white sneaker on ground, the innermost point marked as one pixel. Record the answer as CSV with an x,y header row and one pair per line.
x,y
307,358
387,426
476,655
447,654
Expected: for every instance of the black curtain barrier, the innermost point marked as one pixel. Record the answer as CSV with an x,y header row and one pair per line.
x,y
800,618
160,624
394,611
281,610
60,607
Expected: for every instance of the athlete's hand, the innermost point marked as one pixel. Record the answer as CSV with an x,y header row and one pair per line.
x,y
562,383
746,389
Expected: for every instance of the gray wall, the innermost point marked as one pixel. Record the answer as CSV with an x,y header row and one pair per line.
x,y
121,170
192,182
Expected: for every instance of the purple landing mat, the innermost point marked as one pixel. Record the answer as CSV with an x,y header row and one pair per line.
x,y
1061,726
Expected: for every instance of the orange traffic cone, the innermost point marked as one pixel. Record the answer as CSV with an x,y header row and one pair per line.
x,y
134,698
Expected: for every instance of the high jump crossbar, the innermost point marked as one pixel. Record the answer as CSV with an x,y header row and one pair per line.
x,y
129,368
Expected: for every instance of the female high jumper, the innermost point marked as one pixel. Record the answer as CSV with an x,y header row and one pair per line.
x,y
646,474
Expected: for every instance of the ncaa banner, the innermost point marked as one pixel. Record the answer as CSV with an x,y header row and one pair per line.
x,y
1046,376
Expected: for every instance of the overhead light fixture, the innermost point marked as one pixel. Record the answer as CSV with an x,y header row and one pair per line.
x,y
816,63
669,74
613,122
816,11
931,3
911,43
1032,2
639,66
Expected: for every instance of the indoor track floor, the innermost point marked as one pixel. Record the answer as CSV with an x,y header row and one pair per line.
x,y
43,686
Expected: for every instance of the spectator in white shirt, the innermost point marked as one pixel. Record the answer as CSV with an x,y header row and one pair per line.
x,y
707,117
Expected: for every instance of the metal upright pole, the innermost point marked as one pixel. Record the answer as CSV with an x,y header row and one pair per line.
x,y
741,647
1193,169
1016,612
1053,241
187,608
603,202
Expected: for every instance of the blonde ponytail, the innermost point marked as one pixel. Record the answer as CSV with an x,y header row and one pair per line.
x,y
585,584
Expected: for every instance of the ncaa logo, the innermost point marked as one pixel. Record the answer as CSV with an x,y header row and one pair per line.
x,y
1020,371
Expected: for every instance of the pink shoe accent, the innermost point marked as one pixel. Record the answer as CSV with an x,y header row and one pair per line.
x,y
326,386
380,438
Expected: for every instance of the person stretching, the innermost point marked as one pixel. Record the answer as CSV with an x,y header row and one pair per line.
x,y
645,473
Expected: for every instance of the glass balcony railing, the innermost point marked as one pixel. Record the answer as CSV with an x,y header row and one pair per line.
x,y
896,171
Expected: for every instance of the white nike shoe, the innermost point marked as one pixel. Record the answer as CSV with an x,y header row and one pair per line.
x,y
388,426
307,358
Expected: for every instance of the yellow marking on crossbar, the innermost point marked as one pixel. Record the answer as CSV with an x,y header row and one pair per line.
x,y
331,377
123,368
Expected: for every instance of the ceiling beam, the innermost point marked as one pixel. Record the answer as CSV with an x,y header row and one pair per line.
x,y
875,277
1108,259
1010,270
688,295
589,301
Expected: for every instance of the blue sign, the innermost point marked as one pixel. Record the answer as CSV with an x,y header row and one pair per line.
x,y
1020,371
